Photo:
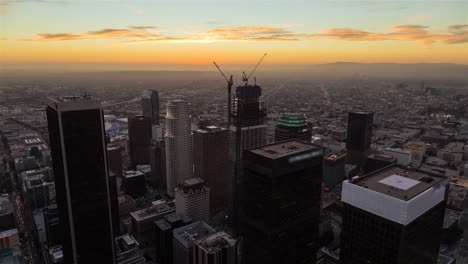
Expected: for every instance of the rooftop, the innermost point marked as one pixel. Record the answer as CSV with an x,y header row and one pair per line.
x,y
216,242
285,148
210,129
151,212
395,194
398,183
72,103
130,174
292,121
188,234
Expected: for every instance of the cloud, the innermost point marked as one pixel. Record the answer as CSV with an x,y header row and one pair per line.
x,y
454,34
133,32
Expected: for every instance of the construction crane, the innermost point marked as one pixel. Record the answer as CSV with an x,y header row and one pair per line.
x,y
246,78
230,82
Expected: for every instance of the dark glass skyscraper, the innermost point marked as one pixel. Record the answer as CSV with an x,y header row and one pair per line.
x,y
77,141
211,158
139,134
359,136
150,105
280,203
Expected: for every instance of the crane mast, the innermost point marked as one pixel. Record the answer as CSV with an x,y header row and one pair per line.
x,y
230,82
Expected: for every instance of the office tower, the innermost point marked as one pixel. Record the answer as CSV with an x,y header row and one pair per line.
x,y
280,203
150,106
143,221
179,164
139,134
127,251
392,216
7,215
37,191
211,159
76,132
164,236
52,225
359,136
184,237
248,130
133,183
375,162
114,200
293,126
158,166
217,248
114,159
192,198
334,170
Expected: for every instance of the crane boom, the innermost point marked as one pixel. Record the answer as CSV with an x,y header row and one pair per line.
x,y
220,71
256,66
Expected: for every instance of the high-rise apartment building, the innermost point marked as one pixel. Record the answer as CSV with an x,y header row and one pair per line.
x,y
280,203
293,126
77,141
248,130
211,159
359,136
192,198
219,248
139,134
150,106
179,163
392,216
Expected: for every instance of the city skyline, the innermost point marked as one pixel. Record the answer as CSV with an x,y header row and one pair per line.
x,y
186,34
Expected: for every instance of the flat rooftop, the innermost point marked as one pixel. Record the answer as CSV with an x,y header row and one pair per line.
x,y
216,242
73,103
283,149
131,174
151,212
190,233
398,183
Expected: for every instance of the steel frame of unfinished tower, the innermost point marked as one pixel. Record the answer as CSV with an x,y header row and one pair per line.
x,y
247,130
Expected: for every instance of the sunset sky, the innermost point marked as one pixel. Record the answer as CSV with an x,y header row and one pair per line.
x,y
174,32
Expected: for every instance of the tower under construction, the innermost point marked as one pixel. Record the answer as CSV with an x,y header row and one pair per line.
x,y
247,130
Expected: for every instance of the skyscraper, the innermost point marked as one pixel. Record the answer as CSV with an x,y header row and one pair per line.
x,y
334,171
139,134
158,165
392,216
150,106
114,159
192,198
217,248
248,130
359,136
184,238
280,203
293,126
179,164
76,132
211,159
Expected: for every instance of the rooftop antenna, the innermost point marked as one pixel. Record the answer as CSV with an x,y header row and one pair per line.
x,y
246,78
230,82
